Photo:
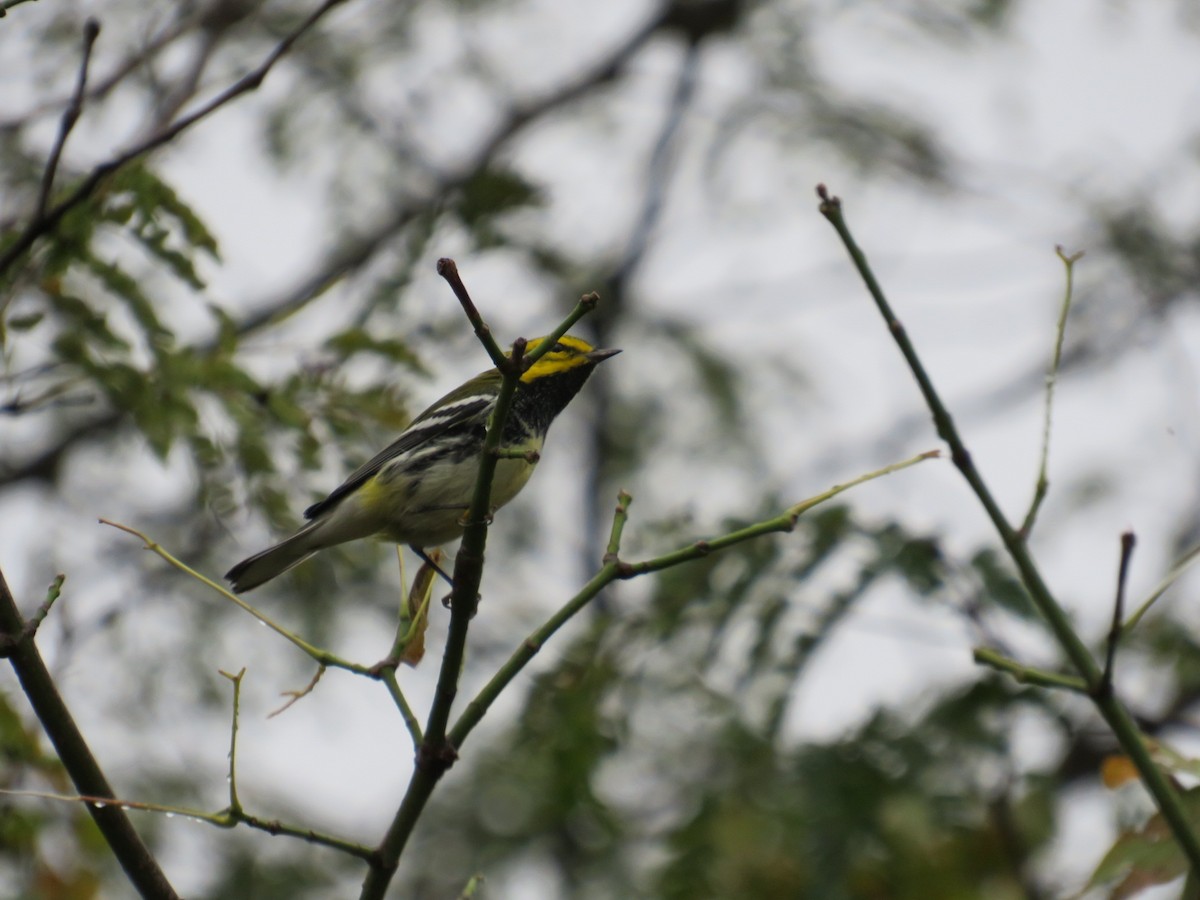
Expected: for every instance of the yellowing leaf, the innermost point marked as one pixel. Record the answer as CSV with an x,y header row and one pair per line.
x,y
1116,771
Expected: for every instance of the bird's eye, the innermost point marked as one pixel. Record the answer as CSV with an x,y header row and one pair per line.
x,y
558,348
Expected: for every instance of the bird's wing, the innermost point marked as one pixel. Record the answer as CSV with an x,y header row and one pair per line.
x,y
449,412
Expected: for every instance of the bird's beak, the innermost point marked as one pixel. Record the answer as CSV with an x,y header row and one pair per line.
x,y
598,356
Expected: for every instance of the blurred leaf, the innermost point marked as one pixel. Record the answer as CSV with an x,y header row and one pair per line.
x,y
24,323
490,193
356,340
1000,586
1146,857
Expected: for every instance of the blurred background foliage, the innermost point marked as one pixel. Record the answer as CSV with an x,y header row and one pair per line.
x,y
655,752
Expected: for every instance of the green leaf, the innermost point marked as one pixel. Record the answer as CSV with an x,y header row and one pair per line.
x,y
25,322
126,287
491,192
1000,585
1146,857
356,340
287,411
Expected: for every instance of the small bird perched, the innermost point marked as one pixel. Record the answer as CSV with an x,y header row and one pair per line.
x,y
417,490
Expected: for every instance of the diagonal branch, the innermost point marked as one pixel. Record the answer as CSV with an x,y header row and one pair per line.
x,y
91,30
6,5
133,855
1115,714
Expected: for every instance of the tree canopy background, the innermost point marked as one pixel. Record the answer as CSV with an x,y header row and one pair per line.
x,y
230,322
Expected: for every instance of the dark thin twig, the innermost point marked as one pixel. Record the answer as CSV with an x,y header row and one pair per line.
x,y
42,225
448,269
91,30
1043,481
6,5
1128,540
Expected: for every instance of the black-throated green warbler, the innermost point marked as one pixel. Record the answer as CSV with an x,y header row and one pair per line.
x,y
416,490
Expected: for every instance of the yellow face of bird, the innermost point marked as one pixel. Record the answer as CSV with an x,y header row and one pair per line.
x,y
567,353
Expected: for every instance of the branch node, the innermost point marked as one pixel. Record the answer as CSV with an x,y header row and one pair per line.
x,y
436,757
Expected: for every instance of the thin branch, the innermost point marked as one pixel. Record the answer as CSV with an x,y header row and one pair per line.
x,y
615,569
276,827
44,224
91,30
293,696
1043,480
409,644
1114,635
1114,713
6,5
323,657
235,805
1181,566
388,676
448,270
223,819
133,855
1027,674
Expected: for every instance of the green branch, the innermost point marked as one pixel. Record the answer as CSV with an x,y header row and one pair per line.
x,y
614,569
1028,675
322,657
1113,711
1181,566
1043,480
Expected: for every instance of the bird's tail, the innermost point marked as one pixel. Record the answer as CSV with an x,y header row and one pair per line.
x,y
262,567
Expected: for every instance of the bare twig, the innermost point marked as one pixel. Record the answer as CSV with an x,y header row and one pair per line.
x,y
1043,480
1181,566
1027,674
235,805
91,30
322,657
293,696
1128,540
448,269
223,819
